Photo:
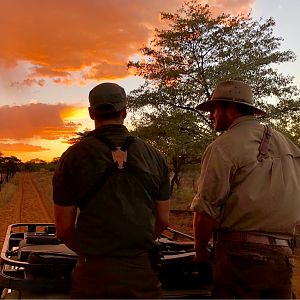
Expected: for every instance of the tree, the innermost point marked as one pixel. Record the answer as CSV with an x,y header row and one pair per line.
x,y
35,164
78,136
184,63
172,135
52,164
9,165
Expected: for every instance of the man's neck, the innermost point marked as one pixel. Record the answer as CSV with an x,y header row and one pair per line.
x,y
100,123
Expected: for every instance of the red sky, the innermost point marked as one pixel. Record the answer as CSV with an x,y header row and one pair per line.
x,y
68,43
36,120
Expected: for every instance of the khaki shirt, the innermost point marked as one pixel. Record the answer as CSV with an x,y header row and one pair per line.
x,y
244,194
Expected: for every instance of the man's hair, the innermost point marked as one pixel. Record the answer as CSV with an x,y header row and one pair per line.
x,y
244,109
104,112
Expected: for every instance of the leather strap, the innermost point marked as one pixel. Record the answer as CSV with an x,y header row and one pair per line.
x,y
265,143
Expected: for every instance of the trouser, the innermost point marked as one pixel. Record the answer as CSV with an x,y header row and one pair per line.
x,y
107,277
253,271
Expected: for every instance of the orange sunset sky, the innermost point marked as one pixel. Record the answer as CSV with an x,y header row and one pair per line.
x,y
54,51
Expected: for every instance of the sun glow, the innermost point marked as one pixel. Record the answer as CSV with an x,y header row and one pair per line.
x,y
74,113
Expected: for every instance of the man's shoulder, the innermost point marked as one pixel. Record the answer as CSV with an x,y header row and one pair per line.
x,y
284,144
232,141
226,138
247,129
78,149
142,143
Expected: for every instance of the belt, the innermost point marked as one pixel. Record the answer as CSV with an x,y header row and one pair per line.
x,y
238,236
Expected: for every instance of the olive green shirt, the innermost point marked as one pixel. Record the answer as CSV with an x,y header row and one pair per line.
x,y
244,194
118,217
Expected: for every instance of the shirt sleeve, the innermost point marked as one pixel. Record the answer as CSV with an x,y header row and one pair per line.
x,y
63,194
214,182
164,190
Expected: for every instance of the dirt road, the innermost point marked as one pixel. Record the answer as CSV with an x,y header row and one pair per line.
x,y
29,204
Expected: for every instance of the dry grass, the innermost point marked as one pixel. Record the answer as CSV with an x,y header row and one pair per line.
x,y
43,181
183,196
8,190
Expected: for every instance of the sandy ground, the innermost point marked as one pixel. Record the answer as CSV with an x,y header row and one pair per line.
x,y
29,199
30,203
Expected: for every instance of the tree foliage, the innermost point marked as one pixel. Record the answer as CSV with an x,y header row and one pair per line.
x,y
171,133
9,165
78,136
184,63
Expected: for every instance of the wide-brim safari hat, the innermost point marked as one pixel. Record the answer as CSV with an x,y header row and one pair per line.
x,y
232,91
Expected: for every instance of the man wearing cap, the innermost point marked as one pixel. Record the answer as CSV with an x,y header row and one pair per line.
x,y
121,186
249,194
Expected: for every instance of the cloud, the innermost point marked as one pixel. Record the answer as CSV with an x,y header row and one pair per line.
x,y
64,36
105,70
36,120
61,37
231,6
20,147
29,82
46,72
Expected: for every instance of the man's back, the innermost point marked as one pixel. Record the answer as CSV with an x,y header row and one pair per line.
x,y
116,206
249,194
264,195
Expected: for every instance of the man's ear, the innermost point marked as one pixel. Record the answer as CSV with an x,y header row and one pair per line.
x,y
232,111
91,113
124,112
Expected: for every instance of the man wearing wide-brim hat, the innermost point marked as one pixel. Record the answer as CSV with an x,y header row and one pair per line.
x,y
249,193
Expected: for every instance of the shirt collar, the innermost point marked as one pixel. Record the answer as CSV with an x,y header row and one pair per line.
x,y
111,129
242,119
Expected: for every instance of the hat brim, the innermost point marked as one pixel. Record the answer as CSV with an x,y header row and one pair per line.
x,y
115,107
208,105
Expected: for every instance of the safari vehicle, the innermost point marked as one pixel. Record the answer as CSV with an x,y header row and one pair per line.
x,y
34,264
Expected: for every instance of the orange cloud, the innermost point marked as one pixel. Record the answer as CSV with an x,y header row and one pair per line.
x,y
20,147
64,36
107,71
46,72
36,120
61,37
231,6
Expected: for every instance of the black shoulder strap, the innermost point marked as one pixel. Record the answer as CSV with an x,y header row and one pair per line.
x,y
119,156
128,141
119,153
107,142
